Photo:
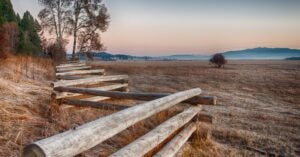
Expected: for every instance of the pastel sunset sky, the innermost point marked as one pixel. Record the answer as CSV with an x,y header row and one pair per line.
x,y
163,27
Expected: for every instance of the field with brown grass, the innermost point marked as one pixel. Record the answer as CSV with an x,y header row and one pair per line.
x,y
258,105
258,101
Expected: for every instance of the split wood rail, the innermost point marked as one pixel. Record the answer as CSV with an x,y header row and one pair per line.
x,y
87,136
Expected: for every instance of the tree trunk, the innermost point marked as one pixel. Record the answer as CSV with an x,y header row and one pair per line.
x,y
74,45
60,44
75,36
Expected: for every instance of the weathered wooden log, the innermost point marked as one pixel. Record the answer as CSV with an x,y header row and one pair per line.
x,y
82,138
68,78
96,98
89,81
146,143
60,95
73,68
64,78
71,65
93,104
205,100
81,72
173,147
75,77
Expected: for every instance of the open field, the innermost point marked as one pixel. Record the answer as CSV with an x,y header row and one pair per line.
x,y
259,101
258,105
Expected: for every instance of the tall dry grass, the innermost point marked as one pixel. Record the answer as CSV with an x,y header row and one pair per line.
x,y
27,113
23,93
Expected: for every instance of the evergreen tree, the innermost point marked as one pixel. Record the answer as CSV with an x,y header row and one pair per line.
x,y
7,13
18,34
30,42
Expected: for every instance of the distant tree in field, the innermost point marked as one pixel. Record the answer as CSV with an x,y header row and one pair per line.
x,y
30,42
89,18
55,18
218,60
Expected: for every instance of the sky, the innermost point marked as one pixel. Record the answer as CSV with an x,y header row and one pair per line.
x,y
164,27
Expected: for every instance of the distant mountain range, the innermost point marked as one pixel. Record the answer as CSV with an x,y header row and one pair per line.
x,y
263,53
111,57
247,54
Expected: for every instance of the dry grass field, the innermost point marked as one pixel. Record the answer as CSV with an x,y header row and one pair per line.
x,y
258,101
258,105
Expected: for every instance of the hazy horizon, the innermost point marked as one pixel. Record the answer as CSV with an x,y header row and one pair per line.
x,y
157,28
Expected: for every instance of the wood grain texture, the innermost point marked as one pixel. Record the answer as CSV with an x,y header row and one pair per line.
x,y
89,81
146,143
173,147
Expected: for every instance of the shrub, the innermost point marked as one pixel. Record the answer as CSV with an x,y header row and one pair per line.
x,y
218,60
57,53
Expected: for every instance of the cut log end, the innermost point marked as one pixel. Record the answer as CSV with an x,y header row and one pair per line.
x,y
203,100
33,150
204,117
214,101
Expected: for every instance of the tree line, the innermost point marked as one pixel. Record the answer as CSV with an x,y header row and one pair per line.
x,y
83,20
18,34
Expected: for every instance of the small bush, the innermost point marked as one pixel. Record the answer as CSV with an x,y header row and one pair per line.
x,y
218,60
57,53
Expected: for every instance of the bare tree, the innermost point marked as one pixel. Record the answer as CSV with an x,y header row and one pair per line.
x,y
90,17
89,40
55,18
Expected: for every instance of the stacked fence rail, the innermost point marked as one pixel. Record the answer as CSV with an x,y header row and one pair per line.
x,y
72,81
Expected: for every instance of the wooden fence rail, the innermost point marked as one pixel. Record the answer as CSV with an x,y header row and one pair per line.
x,y
70,65
173,147
148,142
73,68
205,100
174,132
80,139
61,95
94,104
89,81
81,72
